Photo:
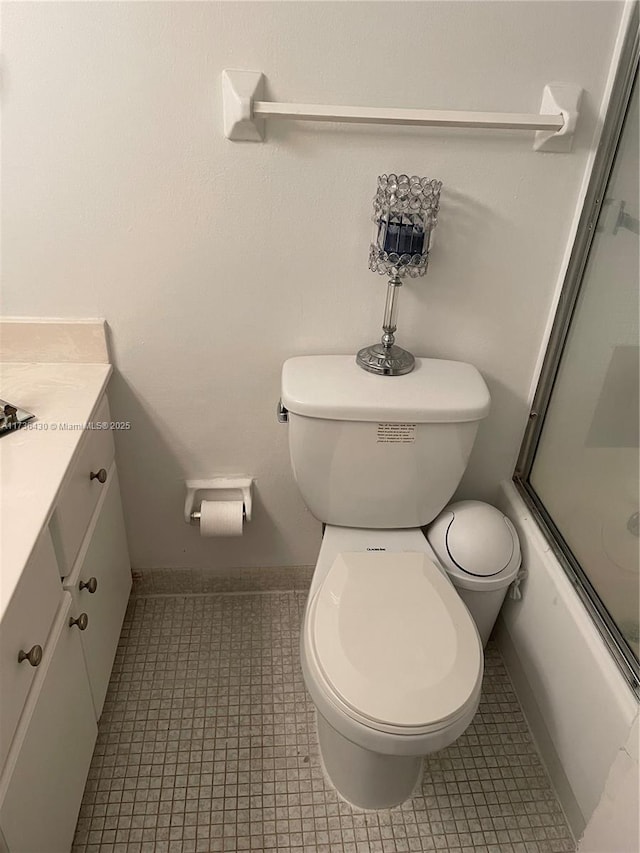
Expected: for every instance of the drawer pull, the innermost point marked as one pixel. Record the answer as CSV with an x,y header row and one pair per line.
x,y
101,476
91,585
82,621
34,655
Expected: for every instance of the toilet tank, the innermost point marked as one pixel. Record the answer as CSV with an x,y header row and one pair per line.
x,y
380,451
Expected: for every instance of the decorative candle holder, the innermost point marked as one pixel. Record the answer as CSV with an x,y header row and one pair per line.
x,y
405,213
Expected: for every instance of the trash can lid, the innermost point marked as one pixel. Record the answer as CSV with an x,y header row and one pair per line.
x,y
475,538
480,540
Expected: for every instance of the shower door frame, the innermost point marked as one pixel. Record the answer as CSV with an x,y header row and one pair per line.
x,y
603,164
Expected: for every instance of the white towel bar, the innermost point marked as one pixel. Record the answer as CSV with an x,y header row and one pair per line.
x,y
245,113
423,118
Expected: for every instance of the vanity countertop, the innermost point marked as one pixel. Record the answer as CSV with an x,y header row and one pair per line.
x,y
35,458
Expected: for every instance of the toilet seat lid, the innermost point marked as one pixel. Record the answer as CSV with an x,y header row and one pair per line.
x,y
394,641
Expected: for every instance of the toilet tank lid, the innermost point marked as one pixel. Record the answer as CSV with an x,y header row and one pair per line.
x,y
336,388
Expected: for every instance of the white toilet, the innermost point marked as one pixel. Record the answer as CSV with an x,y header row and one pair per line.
x,y
390,654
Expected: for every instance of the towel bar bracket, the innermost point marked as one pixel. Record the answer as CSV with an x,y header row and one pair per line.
x,y
563,98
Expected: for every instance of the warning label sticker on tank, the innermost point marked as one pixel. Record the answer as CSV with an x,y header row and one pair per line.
x,y
396,433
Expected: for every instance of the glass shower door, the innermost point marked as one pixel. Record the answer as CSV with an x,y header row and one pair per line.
x,y
585,467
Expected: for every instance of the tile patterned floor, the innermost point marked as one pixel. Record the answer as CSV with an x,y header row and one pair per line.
x,y
207,743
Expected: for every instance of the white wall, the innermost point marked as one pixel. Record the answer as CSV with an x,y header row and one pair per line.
x,y
214,261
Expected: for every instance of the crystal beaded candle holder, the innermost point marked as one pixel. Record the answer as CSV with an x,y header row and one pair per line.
x,y
405,211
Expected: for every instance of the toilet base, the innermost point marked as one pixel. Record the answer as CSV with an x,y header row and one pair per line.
x,y
366,779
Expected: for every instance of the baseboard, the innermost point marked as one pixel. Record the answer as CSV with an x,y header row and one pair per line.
x,y
205,581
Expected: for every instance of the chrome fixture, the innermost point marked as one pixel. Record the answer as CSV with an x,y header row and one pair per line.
x,y
405,211
282,413
217,489
12,418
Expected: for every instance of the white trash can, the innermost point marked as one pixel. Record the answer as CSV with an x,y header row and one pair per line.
x,y
480,550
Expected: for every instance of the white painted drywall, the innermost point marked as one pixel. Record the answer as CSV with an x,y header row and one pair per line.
x,y
577,703
214,261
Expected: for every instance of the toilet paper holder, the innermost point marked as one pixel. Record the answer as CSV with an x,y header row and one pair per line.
x,y
217,489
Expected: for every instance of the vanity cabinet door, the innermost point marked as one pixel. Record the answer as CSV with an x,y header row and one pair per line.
x,y
45,774
24,628
104,573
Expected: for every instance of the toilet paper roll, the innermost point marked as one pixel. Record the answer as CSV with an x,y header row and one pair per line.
x,y
221,518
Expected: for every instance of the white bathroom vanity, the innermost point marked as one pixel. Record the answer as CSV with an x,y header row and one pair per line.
x,y
65,579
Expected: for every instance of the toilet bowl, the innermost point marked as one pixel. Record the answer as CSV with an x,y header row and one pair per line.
x,y
391,658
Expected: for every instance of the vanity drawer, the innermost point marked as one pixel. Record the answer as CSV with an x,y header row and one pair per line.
x,y
25,625
81,491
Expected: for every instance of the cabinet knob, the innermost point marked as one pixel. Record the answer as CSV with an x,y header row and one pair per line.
x,y
91,585
34,655
82,621
101,476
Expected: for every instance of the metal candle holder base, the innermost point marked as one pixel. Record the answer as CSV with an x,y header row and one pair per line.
x,y
386,361
385,358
